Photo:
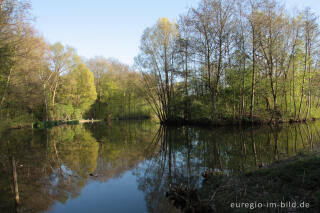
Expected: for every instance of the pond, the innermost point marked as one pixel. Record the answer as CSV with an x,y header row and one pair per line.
x,y
127,166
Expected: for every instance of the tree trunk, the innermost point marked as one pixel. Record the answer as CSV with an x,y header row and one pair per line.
x,y
293,88
54,92
303,80
253,74
15,181
243,89
6,88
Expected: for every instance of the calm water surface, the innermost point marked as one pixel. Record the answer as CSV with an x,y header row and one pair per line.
x,y
127,166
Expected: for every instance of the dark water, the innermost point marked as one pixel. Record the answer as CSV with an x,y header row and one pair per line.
x,y
132,163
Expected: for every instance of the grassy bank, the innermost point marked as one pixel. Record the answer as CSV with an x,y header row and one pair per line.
x,y
231,122
295,180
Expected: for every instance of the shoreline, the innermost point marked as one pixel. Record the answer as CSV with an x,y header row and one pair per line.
x,y
235,123
204,123
296,179
89,121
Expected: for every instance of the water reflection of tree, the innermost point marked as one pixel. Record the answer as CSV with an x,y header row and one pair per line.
x,y
55,164
176,162
44,175
186,152
122,148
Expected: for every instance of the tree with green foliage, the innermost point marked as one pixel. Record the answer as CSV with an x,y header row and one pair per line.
x,y
117,91
157,54
249,60
77,93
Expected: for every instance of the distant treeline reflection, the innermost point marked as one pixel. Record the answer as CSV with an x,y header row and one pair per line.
x,y
54,164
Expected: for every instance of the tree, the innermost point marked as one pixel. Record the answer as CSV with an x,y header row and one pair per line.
x,y
14,29
78,89
211,23
311,41
156,61
269,35
99,67
61,61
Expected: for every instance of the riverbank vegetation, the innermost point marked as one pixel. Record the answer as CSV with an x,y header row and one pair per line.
x,y
233,61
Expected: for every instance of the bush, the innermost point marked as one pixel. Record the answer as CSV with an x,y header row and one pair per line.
x,y
63,111
199,110
77,114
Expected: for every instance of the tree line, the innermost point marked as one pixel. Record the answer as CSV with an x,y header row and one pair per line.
x,y
43,81
224,60
235,60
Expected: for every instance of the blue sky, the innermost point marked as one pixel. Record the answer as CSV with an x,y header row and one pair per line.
x,y
112,28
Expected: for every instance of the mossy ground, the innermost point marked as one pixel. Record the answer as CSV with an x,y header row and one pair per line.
x,y
296,180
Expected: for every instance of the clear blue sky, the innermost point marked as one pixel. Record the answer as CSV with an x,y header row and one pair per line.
x,y
112,28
